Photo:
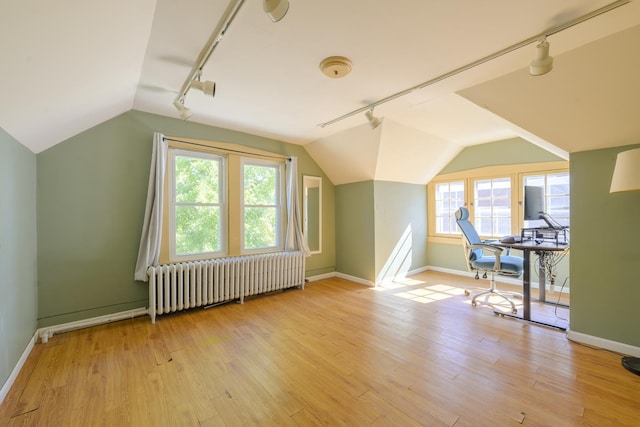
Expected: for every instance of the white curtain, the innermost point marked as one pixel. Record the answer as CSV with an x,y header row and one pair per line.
x,y
295,238
149,250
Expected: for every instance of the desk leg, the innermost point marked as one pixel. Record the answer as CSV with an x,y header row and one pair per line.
x,y
542,282
526,287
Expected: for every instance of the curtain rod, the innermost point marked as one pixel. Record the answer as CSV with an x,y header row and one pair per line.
x,y
280,156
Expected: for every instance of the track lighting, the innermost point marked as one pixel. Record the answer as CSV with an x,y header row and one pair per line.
x,y
542,50
276,9
374,121
542,63
207,87
184,112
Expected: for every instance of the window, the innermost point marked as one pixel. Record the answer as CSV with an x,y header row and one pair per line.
x,y
196,204
494,196
222,200
492,207
556,196
261,205
449,196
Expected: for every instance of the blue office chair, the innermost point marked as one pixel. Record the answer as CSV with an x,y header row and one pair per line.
x,y
496,263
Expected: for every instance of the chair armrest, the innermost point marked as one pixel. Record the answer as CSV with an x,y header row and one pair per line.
x,y
495,250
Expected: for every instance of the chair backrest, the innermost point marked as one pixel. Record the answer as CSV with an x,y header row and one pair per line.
x,y
469,233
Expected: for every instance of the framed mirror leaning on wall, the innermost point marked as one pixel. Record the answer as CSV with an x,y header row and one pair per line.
x,y
312,212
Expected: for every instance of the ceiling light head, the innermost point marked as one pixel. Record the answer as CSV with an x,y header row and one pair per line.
x,y
542,63
207,87
374,121
276,9
184,112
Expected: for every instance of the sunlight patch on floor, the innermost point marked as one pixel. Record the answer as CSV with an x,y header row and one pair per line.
x,y
430,293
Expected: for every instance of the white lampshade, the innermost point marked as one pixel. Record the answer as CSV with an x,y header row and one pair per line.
x,y
626,174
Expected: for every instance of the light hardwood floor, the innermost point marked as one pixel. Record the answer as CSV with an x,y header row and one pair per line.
x,y
337,353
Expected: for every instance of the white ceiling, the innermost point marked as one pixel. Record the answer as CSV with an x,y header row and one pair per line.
x,y
71,64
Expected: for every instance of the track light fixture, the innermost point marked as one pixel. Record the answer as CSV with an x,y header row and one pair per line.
x,y
183,111
207,87
276,9
542,49
374,121
542,63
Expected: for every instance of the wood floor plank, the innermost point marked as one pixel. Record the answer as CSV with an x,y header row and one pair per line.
x,y
409,353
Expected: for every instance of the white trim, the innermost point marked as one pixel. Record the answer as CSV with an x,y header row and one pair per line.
x,y
47,332
356,279
500,279
417,270
603,343
321,276
16,369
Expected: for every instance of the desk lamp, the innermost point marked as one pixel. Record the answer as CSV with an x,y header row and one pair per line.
x,y
626,177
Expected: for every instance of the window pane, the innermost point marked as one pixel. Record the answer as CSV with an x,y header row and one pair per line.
x,y
449,196
260,185
492,206
262,205
260,227
557,194
197,180
197,229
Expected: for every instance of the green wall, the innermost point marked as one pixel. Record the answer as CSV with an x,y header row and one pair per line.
x,y
506,152
18,301
605,292
381,229
355,230
91,197
400,228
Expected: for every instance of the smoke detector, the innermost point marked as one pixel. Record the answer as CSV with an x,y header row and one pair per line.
x,y
335,67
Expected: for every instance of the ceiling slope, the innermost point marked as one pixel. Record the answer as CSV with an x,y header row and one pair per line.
x,y
599,104
71,64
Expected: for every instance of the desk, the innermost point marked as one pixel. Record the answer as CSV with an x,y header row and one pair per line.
x,y
527,247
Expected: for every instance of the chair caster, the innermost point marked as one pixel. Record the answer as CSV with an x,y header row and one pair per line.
x,y
473,303
466,292
514,311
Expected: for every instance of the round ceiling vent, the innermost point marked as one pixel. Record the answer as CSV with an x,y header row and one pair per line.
x,y
335,66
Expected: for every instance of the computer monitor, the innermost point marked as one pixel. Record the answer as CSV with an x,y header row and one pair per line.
x,y
534,207
533,203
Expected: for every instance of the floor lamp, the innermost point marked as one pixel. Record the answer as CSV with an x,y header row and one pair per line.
x,y
626,177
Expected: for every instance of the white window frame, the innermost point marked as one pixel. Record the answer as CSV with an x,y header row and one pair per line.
x,y
279,206
493,217
515,172
454,230
222,203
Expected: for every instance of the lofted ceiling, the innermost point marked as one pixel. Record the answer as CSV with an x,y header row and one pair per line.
x,y
70,65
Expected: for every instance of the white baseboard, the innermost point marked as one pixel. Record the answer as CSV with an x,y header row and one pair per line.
x,y
321,276
16,369
356,279
47,332
614,346
502,279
